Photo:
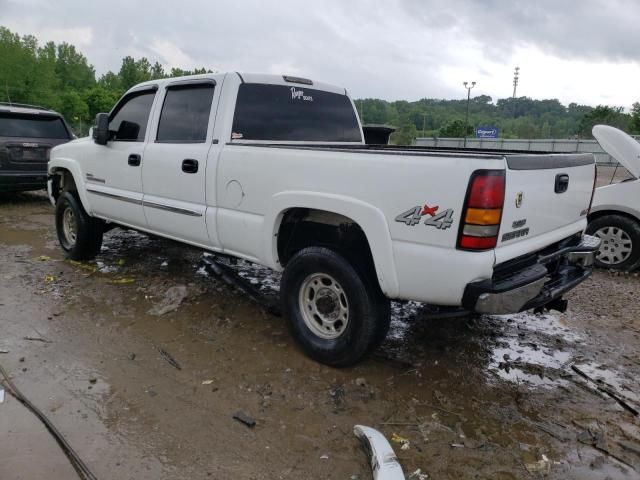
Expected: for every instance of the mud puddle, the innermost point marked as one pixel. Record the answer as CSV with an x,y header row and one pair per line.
x,y
475,397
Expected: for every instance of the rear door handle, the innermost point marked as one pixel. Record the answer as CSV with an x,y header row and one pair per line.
x,y
134,160
562,183
189,165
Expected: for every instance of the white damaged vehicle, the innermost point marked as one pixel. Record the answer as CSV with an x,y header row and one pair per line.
x,y
274,169
615,213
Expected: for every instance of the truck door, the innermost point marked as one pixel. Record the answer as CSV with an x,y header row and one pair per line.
x,y
113,174
174,170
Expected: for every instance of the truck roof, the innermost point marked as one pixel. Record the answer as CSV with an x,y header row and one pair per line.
x,y
288,80
22,108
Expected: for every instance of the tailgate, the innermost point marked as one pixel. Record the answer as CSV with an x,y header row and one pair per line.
x,y
544,196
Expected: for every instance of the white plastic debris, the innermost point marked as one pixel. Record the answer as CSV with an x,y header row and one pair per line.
x,y
1,395
384,462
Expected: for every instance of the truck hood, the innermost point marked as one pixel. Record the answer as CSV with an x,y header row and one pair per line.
x,y
620,146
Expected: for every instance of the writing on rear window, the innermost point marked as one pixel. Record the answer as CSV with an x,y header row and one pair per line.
x,y
299,94
291,114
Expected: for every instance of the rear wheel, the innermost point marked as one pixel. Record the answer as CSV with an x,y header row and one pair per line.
x,y
620,236
333,311
79,234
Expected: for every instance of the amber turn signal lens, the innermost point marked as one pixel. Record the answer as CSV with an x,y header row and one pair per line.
x,y
483,216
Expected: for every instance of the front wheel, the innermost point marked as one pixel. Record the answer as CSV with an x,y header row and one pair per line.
x,y
620,247
334,312
79,234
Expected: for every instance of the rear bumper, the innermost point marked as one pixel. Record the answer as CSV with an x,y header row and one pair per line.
x,y
20,182
533,281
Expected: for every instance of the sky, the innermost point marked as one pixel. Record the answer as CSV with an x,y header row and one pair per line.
x,y
583,51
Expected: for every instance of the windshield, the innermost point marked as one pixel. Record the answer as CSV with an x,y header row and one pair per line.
x,y
32,126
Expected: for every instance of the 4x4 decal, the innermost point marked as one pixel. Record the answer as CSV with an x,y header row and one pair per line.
x,y
442,220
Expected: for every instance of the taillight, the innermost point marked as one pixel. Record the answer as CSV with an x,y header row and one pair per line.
x,y
482,211
593,191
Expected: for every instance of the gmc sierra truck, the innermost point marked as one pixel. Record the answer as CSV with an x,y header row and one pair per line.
x,y
273,169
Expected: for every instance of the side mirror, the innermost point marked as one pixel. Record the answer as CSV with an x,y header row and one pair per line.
x,y
101,130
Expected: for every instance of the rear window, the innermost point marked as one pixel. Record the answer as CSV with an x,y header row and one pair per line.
x,y
292,113
32,126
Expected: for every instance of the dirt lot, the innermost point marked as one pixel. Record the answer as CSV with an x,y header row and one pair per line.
x,y
476,397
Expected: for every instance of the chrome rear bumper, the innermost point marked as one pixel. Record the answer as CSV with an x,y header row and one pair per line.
x,y
536,285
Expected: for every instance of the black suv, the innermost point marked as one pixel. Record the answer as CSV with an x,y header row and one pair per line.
x,y
27,134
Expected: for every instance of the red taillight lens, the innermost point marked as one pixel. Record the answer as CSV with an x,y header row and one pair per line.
x,y
487,191
482,211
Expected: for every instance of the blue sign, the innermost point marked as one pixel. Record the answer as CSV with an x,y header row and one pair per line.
x,y
486,132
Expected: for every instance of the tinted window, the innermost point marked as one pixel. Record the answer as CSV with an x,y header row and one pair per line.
x,y
33,126
185,114
129,122
279,112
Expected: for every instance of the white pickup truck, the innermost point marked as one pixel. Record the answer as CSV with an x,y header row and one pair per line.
x,y
273,169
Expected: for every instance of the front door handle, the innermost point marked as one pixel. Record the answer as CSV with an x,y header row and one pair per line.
x,y
134,160
189,165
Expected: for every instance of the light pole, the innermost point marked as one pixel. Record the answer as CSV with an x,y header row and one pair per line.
x,y
516,77
466,118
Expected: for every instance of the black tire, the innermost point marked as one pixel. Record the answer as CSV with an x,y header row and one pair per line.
x,y
366,309
622,227
88,230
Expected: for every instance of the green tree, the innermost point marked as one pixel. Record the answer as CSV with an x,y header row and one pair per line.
x,y
634,124
405,135
455,129
605,115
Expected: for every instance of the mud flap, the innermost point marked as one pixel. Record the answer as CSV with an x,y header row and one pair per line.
x,y
384,462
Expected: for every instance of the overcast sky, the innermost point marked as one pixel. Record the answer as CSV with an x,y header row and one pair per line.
x,y
584,51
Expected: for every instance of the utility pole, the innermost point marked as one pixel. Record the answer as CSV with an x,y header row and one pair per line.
x,y
466,118
516,77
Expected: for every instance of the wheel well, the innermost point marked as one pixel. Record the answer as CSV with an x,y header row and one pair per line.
x,y
306,227
63,181
604,213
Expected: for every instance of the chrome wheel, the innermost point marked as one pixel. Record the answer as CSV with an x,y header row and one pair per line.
x,y
69,226
324,306
616,245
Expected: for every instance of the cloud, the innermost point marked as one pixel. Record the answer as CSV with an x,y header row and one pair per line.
x,y
574,50
171,54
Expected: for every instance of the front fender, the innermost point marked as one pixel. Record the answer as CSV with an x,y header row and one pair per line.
x,y
58,164
370,219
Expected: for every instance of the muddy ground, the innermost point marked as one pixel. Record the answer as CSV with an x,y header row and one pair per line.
x,y
475,397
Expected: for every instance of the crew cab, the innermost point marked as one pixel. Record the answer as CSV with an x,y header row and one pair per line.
x,y
273,169
27,134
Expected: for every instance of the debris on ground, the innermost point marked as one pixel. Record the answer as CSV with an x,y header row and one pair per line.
x,y
244,418
207,382
418,475
361,382
169,359
1,395
404,442
49,278
4,351
324,457
382,458
542,466
171,301
44,258
122,280
37,339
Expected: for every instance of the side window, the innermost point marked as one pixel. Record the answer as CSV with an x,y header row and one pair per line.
x,y
185,114
129,120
